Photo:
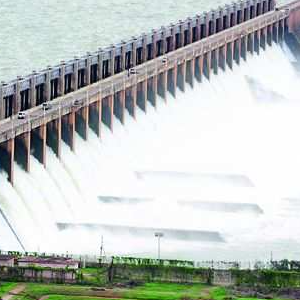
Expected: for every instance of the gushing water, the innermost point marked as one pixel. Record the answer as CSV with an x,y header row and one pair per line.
x,y
217,170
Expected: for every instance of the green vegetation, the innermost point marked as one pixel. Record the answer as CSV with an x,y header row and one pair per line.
x,y
149,279
152,261
158,286
5,287
93,276
218,293
258,299
36,290
148,291
165,291
160,273
269,278
60,297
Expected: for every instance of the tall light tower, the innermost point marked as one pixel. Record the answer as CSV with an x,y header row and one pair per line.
x,y
159,235
102,252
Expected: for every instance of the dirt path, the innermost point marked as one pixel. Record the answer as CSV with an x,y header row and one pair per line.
x,y
98,297
205,293
96,294
15,291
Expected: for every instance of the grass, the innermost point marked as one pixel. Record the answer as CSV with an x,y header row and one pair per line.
x,y
90,271
148,291
165,291
36,291
257,299
5,287
218,293
94,276
63,297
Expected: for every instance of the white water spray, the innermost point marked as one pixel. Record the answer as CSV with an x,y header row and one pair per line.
x,y
222,157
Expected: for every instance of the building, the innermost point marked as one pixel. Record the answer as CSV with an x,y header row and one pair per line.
x,y
7,260
48,262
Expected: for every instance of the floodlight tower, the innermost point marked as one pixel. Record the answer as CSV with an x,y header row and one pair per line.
x,y
159,235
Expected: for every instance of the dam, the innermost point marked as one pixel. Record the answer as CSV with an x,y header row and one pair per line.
x,y
155,64
49,117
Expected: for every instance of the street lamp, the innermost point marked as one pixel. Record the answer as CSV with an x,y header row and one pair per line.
x,y
159,235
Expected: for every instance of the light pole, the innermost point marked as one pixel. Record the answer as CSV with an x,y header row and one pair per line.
x,y
159,235
102,252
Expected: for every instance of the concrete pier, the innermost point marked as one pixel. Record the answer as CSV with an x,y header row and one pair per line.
x,y
54,135
172,81
91,91
38,143
68,129
95,117
107,110
141,101
152,90
7,152
130,100
119,106
82,121
23,150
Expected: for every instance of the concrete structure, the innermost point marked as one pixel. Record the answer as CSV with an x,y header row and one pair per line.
x,y
93,90
30,91
32,274
7,261
48,262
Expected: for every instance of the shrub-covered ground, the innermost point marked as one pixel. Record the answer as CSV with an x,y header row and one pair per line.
x,y
147,291
94,286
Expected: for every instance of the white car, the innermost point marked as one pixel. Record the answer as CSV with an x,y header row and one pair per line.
x,y
21,115
164,60
77,102
133,71
47,105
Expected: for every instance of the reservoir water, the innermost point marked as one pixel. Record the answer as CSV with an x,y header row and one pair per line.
x,y
40,33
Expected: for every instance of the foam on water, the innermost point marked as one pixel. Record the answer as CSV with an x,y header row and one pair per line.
x,y
224,143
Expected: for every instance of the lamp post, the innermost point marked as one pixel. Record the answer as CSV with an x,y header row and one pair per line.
x,y
102,253
159,235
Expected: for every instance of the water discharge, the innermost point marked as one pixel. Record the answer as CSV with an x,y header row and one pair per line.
x,y
218,165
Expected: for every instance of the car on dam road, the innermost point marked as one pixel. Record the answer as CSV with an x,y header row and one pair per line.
x,y
47,106
77,102
21,115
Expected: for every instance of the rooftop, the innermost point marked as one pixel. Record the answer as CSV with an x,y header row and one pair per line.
x,y
6,257
48,260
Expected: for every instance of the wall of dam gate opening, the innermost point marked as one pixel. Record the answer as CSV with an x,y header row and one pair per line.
x,y
94,90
